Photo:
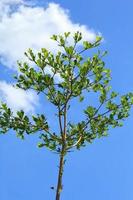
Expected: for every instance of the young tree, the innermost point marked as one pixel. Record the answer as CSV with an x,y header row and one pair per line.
x,y
79,76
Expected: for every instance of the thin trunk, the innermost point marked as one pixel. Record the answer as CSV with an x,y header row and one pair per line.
x,y
62,154
60,174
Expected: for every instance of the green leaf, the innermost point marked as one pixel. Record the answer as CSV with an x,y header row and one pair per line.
x,y
98,38
87,45
40,145
114,94
90,111
54,37
81,98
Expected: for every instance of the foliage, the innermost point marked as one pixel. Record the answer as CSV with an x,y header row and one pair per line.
x,y
78,76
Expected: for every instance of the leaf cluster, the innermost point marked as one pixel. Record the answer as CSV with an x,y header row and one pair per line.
x,y
77,75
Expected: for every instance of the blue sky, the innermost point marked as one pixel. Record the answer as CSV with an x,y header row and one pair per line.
x,y
103,170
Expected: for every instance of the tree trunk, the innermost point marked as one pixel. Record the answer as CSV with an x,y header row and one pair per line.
x,y
59,184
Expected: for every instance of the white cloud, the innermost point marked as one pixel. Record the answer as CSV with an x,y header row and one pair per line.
x,y
23,26
7,2
32,27
17,98
4,3
5,6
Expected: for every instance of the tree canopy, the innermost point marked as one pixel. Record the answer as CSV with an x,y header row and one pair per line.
x,y
78,75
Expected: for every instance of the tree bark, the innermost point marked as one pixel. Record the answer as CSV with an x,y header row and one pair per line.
x,y
62,153
60,174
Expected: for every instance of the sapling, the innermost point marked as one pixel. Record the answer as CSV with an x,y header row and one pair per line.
x,y
78,75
